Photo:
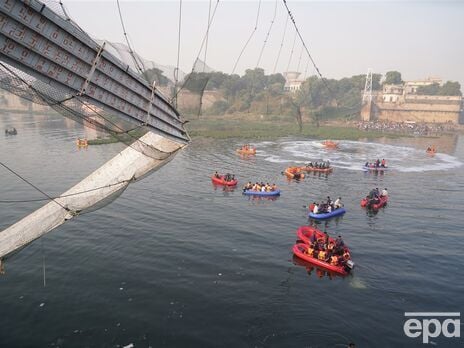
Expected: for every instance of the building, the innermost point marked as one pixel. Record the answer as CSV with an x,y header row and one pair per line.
x,y
401,103
410,87
292,81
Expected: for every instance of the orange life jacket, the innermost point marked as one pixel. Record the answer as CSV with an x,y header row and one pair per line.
x,y
322,255
334,260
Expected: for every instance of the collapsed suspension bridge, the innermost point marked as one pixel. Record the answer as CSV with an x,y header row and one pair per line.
x,y
45,57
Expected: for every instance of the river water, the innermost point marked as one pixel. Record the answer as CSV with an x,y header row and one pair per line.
x,y
176,261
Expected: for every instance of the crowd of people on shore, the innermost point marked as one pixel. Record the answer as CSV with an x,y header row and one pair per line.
x,y
259,187
319,165
406,127
323,249
326,207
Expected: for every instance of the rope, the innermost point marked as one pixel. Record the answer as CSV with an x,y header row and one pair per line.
x,y
35,187
249,39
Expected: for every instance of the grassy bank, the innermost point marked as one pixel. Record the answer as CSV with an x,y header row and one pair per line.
x,y
221,129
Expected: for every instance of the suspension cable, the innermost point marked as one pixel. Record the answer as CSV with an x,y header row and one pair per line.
x,y
249,39
281,45
127,40
267,35
291,52
198,55
207,34
176,75
306,47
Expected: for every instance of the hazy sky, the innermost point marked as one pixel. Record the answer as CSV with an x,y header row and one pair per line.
x,y
419,39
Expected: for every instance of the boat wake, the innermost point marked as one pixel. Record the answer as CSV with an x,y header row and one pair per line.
x,y
352,155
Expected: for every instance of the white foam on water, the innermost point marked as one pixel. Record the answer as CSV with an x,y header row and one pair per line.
x,y
352,155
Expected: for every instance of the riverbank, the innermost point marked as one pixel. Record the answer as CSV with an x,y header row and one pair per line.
x,y
222,129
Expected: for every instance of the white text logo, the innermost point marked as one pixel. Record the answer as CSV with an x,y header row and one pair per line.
x,y
432,325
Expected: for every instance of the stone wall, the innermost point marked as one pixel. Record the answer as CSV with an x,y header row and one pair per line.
x,y
418,112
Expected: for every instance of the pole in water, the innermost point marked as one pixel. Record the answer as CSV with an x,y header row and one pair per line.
x,y
2,268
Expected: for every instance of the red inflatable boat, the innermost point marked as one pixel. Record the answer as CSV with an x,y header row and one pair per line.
x,y
301,251
304,234
221,181
377,206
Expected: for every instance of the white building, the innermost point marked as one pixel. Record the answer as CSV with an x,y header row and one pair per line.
x,y
292,81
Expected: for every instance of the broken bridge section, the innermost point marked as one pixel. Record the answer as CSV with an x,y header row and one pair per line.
x,y
47,58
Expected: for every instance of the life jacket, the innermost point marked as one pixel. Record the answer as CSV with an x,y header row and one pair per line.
x,y
334,260
346,255
311,207
310,251
322,255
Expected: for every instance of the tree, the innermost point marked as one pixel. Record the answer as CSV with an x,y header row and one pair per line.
x,y
433,89
451,88
393,78
156,75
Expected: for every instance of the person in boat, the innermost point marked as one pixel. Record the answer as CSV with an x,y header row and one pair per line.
x,y
377,191
216,175
329,201
326,240
384,193
334,260
383,163
338,203
339,245
377,163
316,209
329,208
310,250
322,255
310,164
248,186
274,187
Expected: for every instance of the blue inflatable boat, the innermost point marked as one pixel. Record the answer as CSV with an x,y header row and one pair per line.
x,y
259,193
322,216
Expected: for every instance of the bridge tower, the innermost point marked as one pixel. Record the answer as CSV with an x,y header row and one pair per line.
x,y
367,107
